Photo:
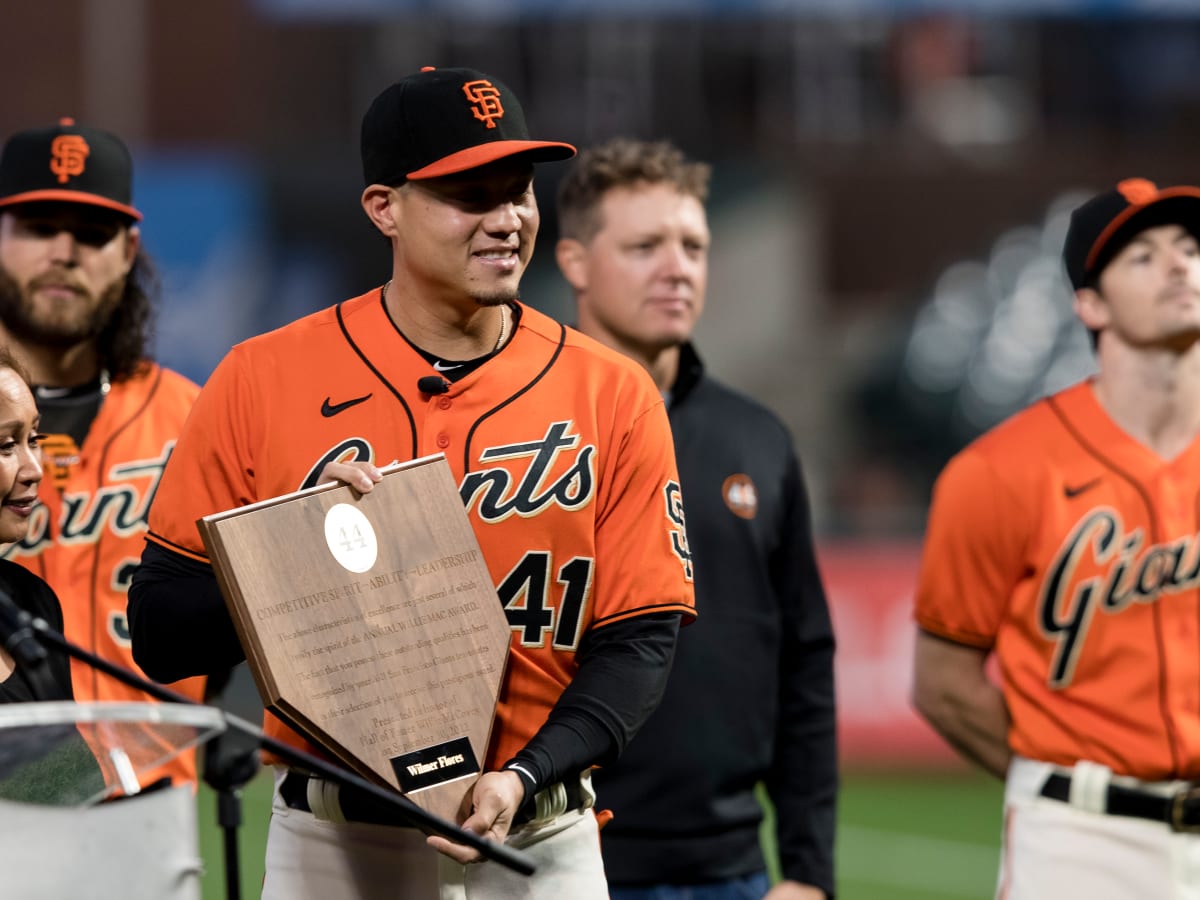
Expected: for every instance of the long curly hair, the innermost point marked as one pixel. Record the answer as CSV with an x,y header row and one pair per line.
x,y
124,341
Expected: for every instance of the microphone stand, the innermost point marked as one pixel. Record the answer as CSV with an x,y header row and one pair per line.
x,y
511,859
227,775
26,650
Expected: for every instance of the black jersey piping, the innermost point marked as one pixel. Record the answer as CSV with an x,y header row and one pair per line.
x,y
97,626
1156,608
412,424
183,551
562,340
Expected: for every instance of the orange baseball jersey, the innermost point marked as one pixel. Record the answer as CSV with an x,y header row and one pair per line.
x,y
86,536
1072,552
561,450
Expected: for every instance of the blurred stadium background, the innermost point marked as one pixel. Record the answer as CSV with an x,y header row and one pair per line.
x,y
892,179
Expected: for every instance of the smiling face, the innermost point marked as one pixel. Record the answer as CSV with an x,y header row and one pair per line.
x,y
63,268
466,236
1149,294
640,281
20,455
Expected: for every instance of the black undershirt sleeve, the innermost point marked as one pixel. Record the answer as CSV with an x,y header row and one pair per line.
x,y
623,669
178,621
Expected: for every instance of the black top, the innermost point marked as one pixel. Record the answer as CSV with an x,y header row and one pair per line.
x,y
750,698
51,765
33,595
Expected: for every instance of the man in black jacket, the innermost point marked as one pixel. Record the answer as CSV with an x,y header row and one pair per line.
x,y
751,697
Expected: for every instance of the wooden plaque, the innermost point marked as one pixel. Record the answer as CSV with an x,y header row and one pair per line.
x,y
371,625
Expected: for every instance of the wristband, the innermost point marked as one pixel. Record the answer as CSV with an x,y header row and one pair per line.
x,y
527,779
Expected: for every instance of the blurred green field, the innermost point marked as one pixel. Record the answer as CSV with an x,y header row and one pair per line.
x,y
900,837
917,837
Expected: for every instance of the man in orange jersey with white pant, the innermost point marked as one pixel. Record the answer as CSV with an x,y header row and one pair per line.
x,y
565,465
1065,543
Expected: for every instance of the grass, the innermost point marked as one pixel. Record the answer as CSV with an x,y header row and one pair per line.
x,y
901,836
918,837
252,840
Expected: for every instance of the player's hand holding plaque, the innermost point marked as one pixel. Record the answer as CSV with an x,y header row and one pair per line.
x,y
371,625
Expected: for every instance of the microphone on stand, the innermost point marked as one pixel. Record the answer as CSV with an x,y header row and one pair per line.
x,y
18,638
509,857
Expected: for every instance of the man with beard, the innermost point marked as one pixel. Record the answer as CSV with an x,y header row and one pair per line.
x,y
75,311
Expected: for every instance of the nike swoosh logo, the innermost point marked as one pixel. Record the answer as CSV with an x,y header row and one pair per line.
x,y
438,367
332,409
1070,492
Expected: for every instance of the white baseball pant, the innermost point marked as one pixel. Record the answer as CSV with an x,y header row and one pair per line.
x,y
1053,848
309,858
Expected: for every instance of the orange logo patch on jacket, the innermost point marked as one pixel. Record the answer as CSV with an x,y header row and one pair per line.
x,y
740,496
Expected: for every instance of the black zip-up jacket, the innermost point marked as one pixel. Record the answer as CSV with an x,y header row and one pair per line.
x,y
750,698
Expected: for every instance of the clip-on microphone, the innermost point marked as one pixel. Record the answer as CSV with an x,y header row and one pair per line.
x,y
433,384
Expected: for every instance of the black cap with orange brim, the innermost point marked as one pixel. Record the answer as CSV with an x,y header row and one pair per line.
x,y
442,121
1104,225
68,163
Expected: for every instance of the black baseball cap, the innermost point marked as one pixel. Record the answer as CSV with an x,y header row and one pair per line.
x,y
68,163
1104,225
441,121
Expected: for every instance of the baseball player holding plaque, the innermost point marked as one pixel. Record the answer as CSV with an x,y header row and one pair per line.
x,y
563,458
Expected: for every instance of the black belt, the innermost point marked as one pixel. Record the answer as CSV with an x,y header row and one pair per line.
x,y
1179,810
358,805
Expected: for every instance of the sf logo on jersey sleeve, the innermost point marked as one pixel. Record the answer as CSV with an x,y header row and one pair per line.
x,y
678,529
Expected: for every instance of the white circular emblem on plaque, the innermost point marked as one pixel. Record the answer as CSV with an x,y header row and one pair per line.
x,y
350,537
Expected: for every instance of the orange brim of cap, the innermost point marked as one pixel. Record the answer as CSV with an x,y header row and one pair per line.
x,y
482,154
72,197
1128,213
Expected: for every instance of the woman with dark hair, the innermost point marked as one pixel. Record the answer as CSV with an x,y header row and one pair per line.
x,y
20,473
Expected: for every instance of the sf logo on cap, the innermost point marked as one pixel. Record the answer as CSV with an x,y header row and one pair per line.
x,y
68,152
485,101
1138,191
